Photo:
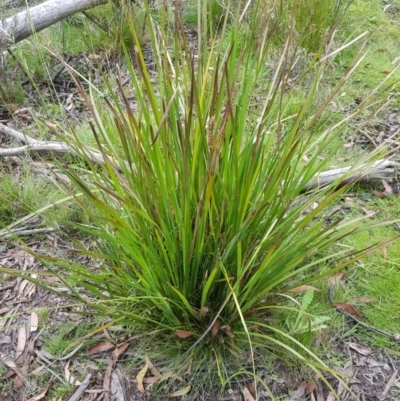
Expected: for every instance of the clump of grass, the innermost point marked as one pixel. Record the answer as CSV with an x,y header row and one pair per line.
x,y
312,20
21,195
199,214
26,193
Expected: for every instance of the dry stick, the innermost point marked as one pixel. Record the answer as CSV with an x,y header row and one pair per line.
x,y
377,171
34,145
81,389
34,19
200,339
12,233
393,336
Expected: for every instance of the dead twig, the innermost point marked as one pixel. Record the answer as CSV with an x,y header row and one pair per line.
x,y
81,389
392,336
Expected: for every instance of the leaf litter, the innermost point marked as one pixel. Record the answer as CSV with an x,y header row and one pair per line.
x,y
369,371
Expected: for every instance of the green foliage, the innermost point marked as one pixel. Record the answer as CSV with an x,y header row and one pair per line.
x,y
377,277
27,193
304,321
215,10
198,213
312,20
21,195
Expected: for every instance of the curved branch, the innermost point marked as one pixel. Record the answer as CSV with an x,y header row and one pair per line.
x,y
377,171
34,145
35,19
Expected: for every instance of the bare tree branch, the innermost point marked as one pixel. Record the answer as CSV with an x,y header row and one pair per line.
x,y
25,23
377,171
34,145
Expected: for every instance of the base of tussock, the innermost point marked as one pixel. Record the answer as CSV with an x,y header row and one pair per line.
x,y
210,374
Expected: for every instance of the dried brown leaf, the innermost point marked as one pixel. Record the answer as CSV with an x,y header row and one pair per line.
x,y
336,278
304,288
30,289
98,348
151,379
181,392
140,377
21,342
183,334
107,335
390,383
152,368
37,370
348,308
21,287
107,381
380,194
310,387
34,322
168,375
116,387
119,351
11,365
388,188
361,300
370,213
18,383
359,349
70,379
228,331
39,396
247,395
300,392
215,329
319,392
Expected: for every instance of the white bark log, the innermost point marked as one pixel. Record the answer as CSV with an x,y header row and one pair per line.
x,y
34,145
379,170
25,23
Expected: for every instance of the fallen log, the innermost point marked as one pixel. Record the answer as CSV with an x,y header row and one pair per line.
x,y
34,145
23,24
379,170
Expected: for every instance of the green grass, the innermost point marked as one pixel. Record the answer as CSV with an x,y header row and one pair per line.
x,y
142,227
215,229
378,277
383,28
25,192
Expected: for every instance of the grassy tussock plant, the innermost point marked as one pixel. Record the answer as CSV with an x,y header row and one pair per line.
x,y
198,214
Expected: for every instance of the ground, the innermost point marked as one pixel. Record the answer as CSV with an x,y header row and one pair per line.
x,y
45,349
38,344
